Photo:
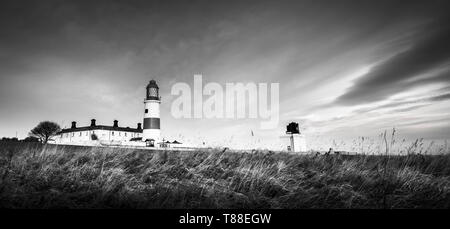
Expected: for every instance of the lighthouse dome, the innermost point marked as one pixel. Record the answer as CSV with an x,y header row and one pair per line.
x,y
152,84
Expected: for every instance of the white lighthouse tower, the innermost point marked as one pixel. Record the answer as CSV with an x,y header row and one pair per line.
x,y
151,131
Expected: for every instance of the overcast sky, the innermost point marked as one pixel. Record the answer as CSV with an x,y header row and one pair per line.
x,y
346,68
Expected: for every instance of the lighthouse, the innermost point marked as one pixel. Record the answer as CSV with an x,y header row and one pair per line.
x,y
151,131
294,141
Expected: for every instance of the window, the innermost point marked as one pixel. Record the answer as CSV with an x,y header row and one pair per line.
x,y
112,133
73,134
125,134
146,111
119,133
153,92
87,133
80,133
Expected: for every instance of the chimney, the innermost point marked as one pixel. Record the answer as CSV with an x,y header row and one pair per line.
x,y
116,123
92,122
74,125
139,126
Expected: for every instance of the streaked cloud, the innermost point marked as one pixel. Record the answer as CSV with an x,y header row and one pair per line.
x,y
390,77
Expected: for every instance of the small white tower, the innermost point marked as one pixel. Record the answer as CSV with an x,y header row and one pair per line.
x,y
295,140
151,131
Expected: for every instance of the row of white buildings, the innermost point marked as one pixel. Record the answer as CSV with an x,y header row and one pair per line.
x,y
89,135
148,134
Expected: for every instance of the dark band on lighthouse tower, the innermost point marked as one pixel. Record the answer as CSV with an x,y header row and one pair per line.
x,y
151,130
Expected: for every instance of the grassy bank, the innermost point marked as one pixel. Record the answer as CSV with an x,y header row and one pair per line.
x,y
36,176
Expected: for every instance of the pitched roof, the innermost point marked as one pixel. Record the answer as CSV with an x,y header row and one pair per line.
x,y
100,127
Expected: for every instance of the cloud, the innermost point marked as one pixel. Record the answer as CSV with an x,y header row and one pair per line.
x,y
411,108
422,122
440,97
398,104
393,75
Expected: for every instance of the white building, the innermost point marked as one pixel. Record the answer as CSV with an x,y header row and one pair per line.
x,y
95,134
98,134
294,141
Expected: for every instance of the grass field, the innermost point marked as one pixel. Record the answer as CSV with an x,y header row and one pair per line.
x,y
38,176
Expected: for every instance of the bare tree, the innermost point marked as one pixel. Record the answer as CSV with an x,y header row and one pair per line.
x,y
44,130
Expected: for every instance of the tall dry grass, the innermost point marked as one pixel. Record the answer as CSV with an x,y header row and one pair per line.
x,y
50,176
